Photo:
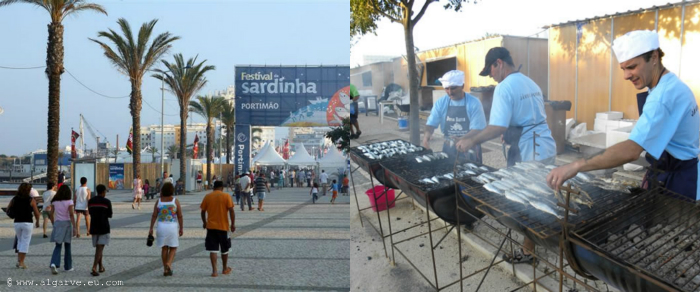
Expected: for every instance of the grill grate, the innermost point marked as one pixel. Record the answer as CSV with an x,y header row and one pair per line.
x,y
658,233
541,224
357,154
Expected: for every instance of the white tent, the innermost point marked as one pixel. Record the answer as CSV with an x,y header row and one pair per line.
x,y
262,151
301,157
268,156
332,159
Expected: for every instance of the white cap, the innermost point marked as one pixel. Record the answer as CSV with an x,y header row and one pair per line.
x,y
452,78
635,43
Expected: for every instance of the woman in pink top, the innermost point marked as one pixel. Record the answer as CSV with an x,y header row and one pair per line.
x,y
138,192
63,221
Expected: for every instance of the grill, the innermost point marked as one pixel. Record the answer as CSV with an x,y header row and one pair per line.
x,y
372,165
650,243
541,227
407,173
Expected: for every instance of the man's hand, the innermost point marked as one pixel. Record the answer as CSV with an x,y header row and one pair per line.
x,y
557,177
233,228
464,144
204,225
37,224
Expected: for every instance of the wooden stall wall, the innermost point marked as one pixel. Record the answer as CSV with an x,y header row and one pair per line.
x,y
225,169
689,69
593,70
531,53
562,65
149,171
475,53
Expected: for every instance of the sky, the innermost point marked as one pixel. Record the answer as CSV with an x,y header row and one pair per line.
x,y
225,33
439,27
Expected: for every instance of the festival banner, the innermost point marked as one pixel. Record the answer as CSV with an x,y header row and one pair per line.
x,y
242,148
292,96
116,176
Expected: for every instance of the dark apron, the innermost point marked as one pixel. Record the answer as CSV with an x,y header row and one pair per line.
x,y
679,176
512,137
457,124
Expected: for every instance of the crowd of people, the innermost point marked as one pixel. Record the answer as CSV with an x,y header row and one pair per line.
x,y
64,209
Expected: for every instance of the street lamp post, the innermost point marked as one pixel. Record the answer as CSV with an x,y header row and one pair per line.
x,y
162,122
221,133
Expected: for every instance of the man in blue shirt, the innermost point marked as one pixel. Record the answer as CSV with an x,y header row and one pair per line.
x,y
518,114
668,127
457,114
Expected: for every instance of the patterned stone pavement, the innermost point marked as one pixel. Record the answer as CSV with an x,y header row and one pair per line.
x,y
292,245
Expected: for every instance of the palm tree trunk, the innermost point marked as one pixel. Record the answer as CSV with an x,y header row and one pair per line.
x,y
136,124
210,140
183,144
54,69
228,146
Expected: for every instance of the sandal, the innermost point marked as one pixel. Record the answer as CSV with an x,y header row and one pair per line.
x,y
102,269
94,273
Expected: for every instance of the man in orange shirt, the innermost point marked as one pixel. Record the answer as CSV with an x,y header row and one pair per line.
x,y
346,185
216,204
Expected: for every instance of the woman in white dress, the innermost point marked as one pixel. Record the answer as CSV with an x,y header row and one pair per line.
x,y
138,191
168,213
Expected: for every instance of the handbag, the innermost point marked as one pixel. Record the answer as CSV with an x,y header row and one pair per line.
x,y
149,241
11,210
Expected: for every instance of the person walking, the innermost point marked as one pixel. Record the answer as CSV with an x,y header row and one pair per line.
x,y
260,185
314,193
334,188
215,207
146,190
138,192
291,178
64,228
199,181
346,186
80,199
168,213
237,188
280,180
46,210
308,178
324,181
22,206
301,176
246,186
272,178
230,181
61,179
100,209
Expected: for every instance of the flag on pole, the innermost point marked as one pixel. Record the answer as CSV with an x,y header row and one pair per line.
x,y
128,142
74,136
195,147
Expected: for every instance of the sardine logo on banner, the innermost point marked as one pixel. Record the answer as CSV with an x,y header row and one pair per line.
x,y
242,152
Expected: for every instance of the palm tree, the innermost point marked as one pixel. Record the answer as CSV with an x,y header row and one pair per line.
x,y
58,10
172,151
228,117
209,108
153,151
134,58
184,84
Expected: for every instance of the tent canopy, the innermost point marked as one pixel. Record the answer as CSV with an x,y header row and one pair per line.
x,y
301,157
333,158
268,156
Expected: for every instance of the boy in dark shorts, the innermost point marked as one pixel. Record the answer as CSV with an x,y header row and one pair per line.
x,y
100,209
215,206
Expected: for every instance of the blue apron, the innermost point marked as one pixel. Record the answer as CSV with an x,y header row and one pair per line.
x,y
679,176
457,124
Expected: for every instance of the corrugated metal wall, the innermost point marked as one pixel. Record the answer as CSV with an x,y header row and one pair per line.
x,y
584,70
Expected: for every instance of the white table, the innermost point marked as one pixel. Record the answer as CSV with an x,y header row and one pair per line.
x,y
381,109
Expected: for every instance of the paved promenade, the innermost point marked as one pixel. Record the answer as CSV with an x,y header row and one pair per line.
x,y
292,245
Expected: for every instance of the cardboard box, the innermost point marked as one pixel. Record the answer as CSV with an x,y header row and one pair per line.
x,y
618,135
612,116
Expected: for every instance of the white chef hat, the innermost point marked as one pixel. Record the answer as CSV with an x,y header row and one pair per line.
x,y
635,43
452,78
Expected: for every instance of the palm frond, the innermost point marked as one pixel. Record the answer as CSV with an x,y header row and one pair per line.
x,y
78,7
